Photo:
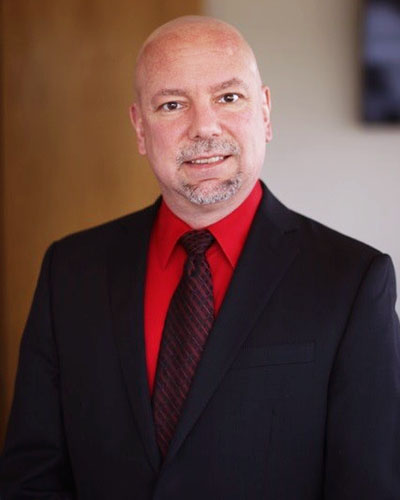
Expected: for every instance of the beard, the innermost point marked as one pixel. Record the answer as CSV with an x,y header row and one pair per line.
x,y
210,192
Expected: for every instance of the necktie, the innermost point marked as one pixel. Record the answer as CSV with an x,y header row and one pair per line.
x,y
188,322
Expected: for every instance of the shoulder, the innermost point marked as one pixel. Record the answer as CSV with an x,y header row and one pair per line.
x,y
313,235
343,256
96,242
321,249
320,238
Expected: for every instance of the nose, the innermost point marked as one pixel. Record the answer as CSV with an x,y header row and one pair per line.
x,y
204,121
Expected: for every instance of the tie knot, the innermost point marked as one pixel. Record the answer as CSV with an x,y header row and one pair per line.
x,y
197,242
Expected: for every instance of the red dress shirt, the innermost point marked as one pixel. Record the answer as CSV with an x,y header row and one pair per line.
x,y
166,259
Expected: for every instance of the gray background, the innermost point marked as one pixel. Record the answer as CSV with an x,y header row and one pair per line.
x,y
323,161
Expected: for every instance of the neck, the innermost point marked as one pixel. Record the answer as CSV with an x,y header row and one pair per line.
x,y
199,216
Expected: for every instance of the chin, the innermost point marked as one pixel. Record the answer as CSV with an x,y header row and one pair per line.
x,y
211,192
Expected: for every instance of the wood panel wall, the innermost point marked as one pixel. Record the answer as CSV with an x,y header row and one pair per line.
x,y
69,158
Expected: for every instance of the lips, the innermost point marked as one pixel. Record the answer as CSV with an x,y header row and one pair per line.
x,y
207,161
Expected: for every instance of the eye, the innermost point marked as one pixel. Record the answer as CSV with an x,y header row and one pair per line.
x,y
170,106
229,98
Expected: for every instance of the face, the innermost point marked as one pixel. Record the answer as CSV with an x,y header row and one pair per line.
x,y
202,119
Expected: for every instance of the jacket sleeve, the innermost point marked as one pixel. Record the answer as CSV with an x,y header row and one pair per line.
x,y
35,461
363,425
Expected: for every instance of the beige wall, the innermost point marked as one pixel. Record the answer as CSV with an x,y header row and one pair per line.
x,y
69,158
322,161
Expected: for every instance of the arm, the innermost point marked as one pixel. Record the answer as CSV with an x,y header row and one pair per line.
x,y
363,424
35,461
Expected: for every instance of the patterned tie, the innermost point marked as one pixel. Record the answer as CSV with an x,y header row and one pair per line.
x,y
189,320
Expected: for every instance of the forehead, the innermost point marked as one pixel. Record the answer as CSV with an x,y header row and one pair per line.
x,y
177,62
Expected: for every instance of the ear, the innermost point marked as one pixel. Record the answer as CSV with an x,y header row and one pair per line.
x,y
137,122
266,107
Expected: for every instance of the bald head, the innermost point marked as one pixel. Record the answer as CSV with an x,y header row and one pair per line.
x,y
186,32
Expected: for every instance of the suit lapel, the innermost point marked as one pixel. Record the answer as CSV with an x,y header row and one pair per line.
x,y
127,270
269,250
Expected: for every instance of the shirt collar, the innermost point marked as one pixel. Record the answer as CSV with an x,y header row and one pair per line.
x,y
230,232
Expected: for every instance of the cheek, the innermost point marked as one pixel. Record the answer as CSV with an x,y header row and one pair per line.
x,y
246,128
161,138
249,131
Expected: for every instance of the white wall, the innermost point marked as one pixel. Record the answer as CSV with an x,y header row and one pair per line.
x,y
323,161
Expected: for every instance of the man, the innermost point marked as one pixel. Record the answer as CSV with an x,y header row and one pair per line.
x,y
215,345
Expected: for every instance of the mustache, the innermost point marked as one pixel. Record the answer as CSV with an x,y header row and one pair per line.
x,y
211,146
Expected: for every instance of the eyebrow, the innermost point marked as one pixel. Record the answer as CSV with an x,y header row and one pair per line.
x,y
170,92
233,82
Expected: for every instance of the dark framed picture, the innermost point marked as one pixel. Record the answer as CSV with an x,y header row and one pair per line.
x,y
381,61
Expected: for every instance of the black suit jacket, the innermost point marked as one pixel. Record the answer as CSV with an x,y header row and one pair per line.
x,y
296,396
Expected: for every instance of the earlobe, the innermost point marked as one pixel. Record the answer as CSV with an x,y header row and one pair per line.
x,y
137,123
267,113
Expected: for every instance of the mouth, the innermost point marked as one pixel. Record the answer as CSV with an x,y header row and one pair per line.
x,y
207,161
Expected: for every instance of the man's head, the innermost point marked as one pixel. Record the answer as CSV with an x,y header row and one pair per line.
x,y
202,116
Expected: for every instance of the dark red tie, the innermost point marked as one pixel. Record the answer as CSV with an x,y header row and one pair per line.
x,y
189,320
